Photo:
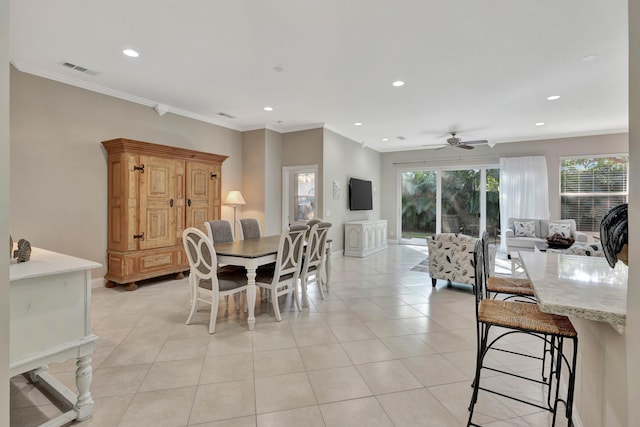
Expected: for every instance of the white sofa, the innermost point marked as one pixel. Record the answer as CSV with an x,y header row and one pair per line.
x,y
517,242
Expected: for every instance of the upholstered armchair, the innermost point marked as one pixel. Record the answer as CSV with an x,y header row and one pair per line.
x,y
451,258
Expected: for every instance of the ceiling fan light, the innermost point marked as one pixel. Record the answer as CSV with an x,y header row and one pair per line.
x,y
491,144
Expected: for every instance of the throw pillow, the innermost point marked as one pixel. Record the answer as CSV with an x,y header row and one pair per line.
x,y
561,228
525,228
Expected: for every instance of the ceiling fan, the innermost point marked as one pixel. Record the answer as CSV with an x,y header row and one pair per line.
x,y
454,141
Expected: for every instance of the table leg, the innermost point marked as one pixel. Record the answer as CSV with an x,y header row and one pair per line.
x,y
251,296
84,374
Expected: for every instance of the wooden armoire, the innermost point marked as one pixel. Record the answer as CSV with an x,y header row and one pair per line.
x,y
155,192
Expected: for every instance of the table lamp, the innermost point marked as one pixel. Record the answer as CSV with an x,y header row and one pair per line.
x,y
234,198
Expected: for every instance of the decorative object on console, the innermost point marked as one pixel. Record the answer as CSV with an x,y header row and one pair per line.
x,y
559,241
614,235
234,198
23,253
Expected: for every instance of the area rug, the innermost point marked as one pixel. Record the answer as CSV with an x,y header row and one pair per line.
x,y
423,266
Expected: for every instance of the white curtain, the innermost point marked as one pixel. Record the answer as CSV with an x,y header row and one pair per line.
x,y
524,190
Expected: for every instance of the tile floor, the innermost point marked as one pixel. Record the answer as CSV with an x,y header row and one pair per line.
x,y
383,348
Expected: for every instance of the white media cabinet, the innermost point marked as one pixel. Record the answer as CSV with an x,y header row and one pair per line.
x,y
363,238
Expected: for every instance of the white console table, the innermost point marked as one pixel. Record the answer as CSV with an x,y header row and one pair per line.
x,y
50,321
363,238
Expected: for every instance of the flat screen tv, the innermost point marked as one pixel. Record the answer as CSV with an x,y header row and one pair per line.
x,y
360,195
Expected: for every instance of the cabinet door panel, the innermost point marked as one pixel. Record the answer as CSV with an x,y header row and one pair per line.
x,y
157,191
180,201
200,193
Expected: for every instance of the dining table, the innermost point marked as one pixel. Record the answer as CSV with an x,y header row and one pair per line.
x,y
578,286
251,254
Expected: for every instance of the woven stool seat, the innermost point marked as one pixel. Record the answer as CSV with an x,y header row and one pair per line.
x,y
510,285
524,316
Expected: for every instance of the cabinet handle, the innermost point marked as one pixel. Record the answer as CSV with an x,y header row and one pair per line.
x,y
188,202
139,168
139,236
213,175
171,202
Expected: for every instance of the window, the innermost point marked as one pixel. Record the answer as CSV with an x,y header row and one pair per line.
x,y
305,195
590,186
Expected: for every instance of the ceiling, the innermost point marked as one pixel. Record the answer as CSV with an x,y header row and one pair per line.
x,y
481,68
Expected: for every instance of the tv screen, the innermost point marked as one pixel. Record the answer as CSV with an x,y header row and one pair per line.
x,y
360,195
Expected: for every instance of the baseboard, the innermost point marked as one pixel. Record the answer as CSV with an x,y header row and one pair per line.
x,y
392,242
97,283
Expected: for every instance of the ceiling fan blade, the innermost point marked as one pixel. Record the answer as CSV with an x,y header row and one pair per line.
x,y
479,141
465,146
442,148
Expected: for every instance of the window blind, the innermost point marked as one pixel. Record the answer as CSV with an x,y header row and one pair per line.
x,y
590,187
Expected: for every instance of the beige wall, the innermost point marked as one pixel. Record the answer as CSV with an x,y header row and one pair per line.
x,y
632,332
59,168
4,211
344,159
552,149
305,148
273,183
253,182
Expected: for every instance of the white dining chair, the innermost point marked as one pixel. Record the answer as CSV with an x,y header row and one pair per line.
x,y
283,280
314,260
208,284
249,228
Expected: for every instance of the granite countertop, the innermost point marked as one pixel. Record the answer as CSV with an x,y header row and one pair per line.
x,y
579,286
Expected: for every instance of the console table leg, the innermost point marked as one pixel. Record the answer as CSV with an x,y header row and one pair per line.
x,y
84,374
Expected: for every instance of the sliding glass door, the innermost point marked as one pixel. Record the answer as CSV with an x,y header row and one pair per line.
x,y
460,211
449,201
418,205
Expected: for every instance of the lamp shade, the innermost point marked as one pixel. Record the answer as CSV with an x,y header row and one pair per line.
x,y
234,198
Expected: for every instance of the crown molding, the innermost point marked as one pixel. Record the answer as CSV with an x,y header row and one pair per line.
x,y
72,81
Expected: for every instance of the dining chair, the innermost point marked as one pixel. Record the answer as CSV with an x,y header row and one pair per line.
x,y
311,223
249,228
507,287
208,284
220,231
283,280
512,317
314,259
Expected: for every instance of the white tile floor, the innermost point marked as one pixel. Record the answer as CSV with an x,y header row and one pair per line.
x,y
384,348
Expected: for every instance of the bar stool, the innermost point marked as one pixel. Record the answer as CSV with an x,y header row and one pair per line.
x,y
513,287
519,317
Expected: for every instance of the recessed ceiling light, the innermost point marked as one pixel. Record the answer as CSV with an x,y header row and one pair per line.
x,y
553,97
589,58
385,139
398,83
130,52
357,124
268,108
540,124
